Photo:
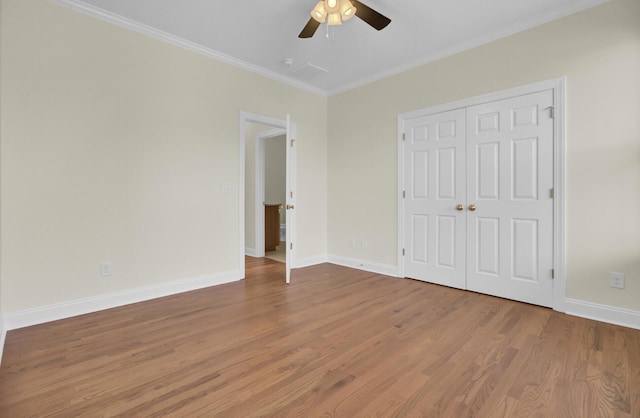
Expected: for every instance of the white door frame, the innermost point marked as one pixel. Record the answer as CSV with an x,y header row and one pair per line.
x,y
292,196
247,117
260,179
557,85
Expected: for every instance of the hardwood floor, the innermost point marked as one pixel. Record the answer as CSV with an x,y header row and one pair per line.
x,y
336,342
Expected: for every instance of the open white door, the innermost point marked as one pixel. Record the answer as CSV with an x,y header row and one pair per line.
x,y
291,197
290,129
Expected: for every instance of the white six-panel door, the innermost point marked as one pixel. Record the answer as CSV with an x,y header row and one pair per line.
x,y
478,209
509,180
434,227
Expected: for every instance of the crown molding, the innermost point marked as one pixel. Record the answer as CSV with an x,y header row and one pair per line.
x,y
87,9
104,15
464,46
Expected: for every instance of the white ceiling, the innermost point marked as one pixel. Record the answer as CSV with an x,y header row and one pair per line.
x,y
260,35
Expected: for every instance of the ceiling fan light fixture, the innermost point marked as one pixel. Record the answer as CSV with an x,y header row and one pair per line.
x,y
347,10
334,12
319,13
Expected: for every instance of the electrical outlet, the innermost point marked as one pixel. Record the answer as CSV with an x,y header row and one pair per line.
x,y
365,244
225,188
353,243
105,268
617,280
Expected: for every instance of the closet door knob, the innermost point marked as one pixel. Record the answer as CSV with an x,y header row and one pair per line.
x,y
289,206
472,207
459,207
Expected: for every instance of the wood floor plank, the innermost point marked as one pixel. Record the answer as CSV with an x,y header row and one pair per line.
x,y
336,342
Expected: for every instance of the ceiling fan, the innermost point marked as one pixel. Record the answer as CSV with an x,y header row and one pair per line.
x,y
334,12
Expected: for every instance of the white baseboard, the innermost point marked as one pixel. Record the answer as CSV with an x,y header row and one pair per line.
x,y
603,313
250,252
310,261
385,269
83,306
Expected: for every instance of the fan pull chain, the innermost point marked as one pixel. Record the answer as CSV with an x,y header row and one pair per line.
x,y
331,37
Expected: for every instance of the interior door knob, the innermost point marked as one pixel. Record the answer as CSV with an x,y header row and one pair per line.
x,y
472,207
459,207
289,206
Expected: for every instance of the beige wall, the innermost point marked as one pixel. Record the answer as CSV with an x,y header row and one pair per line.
x,y
115,147
598,51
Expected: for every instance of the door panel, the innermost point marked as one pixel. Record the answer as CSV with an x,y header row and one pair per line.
x,y
488,178
488,256
446,241
446,173
420,174
524,249
434,182
509,177
419,233
524,169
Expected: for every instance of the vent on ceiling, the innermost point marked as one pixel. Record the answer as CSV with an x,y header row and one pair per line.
x,y
308,71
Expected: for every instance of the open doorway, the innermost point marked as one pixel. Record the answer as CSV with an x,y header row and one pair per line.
x,y
269,199
271,179
267,151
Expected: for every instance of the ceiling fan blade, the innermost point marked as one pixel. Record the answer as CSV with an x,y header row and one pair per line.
x,y
309,29
370,16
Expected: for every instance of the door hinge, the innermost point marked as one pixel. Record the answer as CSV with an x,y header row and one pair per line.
x,y
551,193
553,273
552,111
403,136
292,141
403,252
291,194
404,194
291,246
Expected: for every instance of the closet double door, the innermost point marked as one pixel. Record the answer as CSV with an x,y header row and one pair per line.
x,y
478,207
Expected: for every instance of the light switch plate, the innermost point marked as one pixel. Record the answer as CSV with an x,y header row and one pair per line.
x,y
617,280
